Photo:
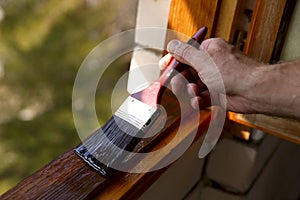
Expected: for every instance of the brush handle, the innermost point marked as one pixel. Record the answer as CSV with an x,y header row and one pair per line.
x,y
152,94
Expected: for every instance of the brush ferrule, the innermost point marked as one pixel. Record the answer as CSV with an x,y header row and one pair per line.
x,y
136,112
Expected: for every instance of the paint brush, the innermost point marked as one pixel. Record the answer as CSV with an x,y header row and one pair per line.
x,y
107,147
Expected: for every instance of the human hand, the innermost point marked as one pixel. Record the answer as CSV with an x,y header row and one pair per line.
x,y
224,72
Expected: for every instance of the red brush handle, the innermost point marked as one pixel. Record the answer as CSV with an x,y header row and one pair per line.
x,y
151,95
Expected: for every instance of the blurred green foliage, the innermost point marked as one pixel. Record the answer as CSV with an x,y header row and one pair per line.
x,y
42,44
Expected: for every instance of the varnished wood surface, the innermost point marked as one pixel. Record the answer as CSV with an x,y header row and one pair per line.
x,y
67,177
263,29
186,16
287,129
227,18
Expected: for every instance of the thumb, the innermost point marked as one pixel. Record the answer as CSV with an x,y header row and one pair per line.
x,y
181,51
200,60
187,54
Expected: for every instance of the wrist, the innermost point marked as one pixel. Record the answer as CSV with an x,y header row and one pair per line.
x,y
254,88
248,80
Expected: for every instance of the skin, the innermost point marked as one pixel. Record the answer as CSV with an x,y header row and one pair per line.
x,y
250,86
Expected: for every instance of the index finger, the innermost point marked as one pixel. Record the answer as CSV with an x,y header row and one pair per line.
x,y
165,61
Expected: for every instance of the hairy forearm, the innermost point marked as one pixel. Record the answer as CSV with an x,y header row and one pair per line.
x,y
275,89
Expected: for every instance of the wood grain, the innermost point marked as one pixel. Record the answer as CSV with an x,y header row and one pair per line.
x,y
227,18
67,177
187,16
263,29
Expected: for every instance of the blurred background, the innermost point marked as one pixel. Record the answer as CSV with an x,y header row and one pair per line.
x,y
42,44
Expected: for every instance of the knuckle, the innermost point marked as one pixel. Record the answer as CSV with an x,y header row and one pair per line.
x,y
215,45
186,52
177,79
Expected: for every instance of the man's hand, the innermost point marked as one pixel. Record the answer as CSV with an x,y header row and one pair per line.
x,y
218,65
248,85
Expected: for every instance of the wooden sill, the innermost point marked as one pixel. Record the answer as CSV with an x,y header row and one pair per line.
x,y
68,177
287,129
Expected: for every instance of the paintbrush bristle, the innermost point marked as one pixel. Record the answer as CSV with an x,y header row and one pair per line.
x,y
122,132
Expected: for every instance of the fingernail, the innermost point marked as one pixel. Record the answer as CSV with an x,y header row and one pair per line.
x,y
161,64
165,61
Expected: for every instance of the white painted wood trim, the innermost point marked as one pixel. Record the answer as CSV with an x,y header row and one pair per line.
x,y
144,63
